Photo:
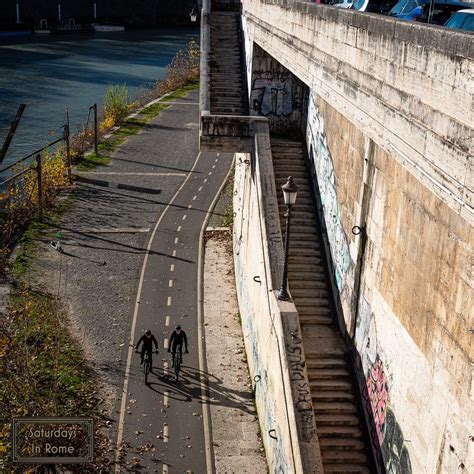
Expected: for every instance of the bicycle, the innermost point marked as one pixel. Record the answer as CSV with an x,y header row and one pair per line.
x,y
146,364
177,361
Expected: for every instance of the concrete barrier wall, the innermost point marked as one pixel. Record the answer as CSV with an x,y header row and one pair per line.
x,y
389,132
271,328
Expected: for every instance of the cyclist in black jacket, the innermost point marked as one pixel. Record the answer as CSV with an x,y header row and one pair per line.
x,y
148,339
178,336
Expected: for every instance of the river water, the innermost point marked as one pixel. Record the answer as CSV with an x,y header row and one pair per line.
x,y
52,74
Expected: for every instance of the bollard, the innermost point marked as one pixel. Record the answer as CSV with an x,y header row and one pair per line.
x,y
68,152
96,132
39,171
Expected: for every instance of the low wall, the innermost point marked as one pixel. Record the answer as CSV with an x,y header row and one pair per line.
x,y
271,328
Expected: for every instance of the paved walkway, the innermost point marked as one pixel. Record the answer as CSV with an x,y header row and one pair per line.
x,y
237,447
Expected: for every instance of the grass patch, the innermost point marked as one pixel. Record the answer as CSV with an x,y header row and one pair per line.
x,y
35,232
130,127
43,371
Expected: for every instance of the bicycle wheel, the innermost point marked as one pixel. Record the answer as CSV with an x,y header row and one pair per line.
x,y
146,369
177,365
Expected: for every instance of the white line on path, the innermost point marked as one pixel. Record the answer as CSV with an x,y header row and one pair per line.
x,y
200,265
176,240
194,198
170,284
167,321
200,188
165,468
168,303
134,323
174,253
126,173
166,343
166,399
210,172
178,229
205,180
172,268
189,206
165,433
215,160
213,166
184,217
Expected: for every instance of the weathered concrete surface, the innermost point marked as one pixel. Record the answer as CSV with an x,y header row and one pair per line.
x,y
237,446
271,327
408,87
389,133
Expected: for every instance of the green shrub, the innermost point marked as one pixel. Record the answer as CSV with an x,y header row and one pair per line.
x,y
116,103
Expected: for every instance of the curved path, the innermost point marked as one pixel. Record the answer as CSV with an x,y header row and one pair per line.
x,y
164,427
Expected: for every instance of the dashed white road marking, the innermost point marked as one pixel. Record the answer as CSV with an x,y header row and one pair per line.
x,y
166,435
209,174
166,344
200,188
167,321
166,399
176,240
189,206
174,253
205,180
216,160
165,468
172,268
170,284
184,217
194,198
213,166
168,303
178,229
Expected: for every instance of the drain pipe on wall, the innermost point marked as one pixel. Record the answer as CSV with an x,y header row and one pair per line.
x,y
360,230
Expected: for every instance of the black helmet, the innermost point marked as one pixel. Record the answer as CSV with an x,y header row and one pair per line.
x,y
147,332
178,326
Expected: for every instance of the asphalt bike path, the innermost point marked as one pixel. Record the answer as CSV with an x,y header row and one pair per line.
x,y
163,427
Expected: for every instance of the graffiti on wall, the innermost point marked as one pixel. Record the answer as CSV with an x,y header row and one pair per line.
x,y
326,177
272,96
386,433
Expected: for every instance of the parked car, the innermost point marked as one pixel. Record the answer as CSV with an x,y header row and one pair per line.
x,y
374,6
462,20
341,3
419,10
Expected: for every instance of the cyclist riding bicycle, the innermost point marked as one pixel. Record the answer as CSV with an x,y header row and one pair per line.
x,y
178,336
147,340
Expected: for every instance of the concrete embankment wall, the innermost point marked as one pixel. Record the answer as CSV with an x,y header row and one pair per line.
x,y
389,133
271,327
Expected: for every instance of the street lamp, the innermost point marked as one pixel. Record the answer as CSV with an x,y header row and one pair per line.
x,y
193,15
290,191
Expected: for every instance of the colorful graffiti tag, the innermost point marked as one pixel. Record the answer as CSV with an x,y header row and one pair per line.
x,y
376,393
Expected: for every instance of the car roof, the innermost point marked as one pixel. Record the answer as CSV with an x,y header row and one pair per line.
x,y
468,10
447,2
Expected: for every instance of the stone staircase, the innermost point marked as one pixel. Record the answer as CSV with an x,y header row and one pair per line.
x,y
341,439
227,81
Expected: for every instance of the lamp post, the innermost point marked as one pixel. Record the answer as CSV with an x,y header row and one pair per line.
x,y
290,191
193,15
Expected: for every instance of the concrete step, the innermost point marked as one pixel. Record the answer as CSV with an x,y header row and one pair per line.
x,y
298,293
336,408
302,229
308,285
328,374
323,319
336,420
316,271
327,363
311,302
331,385
342,468
305,251
331,396
339,432
341,444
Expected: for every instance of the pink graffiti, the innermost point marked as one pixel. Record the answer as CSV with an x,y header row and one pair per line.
x,y
377,395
